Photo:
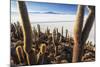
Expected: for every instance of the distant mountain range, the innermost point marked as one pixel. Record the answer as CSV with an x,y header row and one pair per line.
x,y
50,12
43,12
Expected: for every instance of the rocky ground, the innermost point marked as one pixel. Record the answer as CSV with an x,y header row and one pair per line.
x,y
56,48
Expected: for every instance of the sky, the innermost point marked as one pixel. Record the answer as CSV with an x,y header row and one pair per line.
x,y
47,7
68,10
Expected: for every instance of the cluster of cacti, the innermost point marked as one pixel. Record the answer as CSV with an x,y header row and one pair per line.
x,y
89,46
37,52
17,32
89,52
34,47
38,45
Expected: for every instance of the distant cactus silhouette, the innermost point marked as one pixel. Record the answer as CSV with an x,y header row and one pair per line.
x,y
62,31
47,32
54,40
61,38
56,34
39,30
34,34
66,33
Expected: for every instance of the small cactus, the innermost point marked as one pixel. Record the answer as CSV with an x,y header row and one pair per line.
x,y
40,55
39,30
20,54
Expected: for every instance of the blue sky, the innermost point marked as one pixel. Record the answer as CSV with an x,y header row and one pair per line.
x,y
47,7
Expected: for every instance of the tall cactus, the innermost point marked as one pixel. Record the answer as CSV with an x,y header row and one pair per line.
x,y
89,23
87,28
77,32
26,29
54,40
80,36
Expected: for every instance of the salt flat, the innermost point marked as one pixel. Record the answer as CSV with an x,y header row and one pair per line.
x,y
54,20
